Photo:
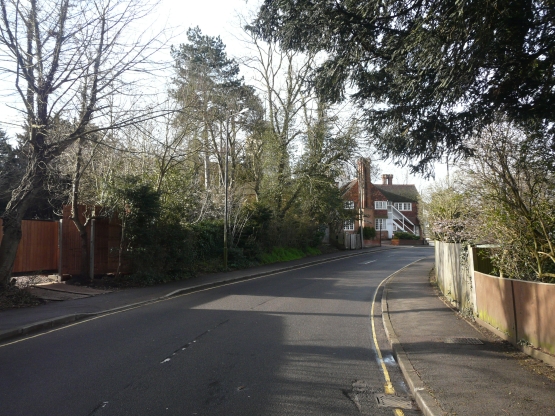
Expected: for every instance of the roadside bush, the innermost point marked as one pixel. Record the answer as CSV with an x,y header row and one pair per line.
x,y
402,235
369,233
162,248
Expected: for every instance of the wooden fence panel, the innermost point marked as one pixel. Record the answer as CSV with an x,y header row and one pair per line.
x,y
101,246
521,310
71,243
38,248
106,245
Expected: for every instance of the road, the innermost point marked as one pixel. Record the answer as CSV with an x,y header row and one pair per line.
x,y
292,343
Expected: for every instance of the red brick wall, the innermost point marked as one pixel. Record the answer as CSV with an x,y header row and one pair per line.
x,y
373,194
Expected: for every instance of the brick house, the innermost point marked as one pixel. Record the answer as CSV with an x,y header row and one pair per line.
x,y
387,207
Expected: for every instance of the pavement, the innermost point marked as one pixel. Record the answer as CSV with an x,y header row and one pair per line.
x,y
452,367
455,367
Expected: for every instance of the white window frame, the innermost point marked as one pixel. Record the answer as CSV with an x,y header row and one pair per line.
x,y
349,205
377,222
380,204
403,206
349,225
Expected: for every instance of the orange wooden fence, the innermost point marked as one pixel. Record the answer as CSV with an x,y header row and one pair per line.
x,y
521,310
39,248
107,236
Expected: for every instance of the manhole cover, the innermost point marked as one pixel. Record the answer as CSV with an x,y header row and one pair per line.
x,y
455,340
385,400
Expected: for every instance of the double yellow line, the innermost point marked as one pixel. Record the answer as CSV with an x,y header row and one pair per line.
x,y
388,387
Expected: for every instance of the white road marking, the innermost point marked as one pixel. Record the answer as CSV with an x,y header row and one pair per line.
x,y
368,262
168,297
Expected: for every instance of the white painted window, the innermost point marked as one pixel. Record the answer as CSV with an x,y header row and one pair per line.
x,y
380,204
380,224
349,205
403,206
349,225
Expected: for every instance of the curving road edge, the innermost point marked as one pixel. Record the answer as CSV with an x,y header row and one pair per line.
x,y
427,403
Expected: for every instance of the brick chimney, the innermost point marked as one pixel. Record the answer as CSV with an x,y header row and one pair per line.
x,y
363,167
387,179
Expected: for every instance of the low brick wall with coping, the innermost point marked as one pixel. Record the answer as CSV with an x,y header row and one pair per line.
x,y
399,242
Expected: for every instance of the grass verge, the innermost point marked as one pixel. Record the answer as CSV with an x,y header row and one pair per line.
x,y
280,254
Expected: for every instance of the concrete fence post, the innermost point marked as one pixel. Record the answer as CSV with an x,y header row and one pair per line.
x,y
514,310
471,253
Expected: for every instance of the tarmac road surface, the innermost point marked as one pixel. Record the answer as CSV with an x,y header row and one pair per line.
x,y
293,343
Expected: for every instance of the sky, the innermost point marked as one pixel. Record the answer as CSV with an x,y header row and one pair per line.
x,y
222,18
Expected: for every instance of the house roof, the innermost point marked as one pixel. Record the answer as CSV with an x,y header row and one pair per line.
x,y
399,193
348,186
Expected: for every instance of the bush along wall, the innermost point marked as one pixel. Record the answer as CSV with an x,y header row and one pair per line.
x,y
402,235
163,249
369,233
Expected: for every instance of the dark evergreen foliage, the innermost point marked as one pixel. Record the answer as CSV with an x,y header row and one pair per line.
x,y
428,73
11,170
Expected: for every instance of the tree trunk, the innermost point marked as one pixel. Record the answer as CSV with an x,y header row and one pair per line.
x,y
206,159
76,218
121,245
21,199
8,249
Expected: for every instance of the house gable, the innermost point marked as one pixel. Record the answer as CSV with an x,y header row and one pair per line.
x,y
376,200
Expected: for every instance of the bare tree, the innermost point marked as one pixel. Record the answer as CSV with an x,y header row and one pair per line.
x,y
67,59
283,82
512,180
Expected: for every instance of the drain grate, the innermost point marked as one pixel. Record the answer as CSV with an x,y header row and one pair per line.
x,y
455,340
385,400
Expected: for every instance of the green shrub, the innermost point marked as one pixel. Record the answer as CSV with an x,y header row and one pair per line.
x,y
312,251
369,233
402,235
162,248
